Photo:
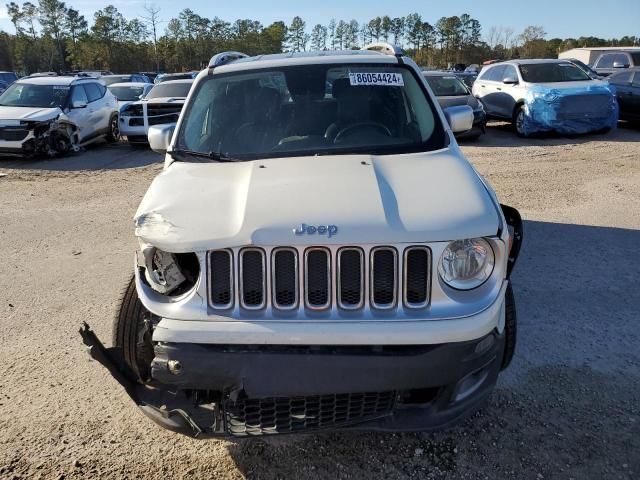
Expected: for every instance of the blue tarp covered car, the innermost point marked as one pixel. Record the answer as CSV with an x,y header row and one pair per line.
x,y
570,111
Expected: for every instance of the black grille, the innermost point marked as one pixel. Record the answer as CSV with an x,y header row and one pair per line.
x,y
417,270
266,416
162,119
383,277
252,277
351,276
317,274
220,279
13,134
285,286
132,111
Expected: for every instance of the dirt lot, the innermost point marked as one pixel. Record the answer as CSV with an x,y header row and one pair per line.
x,y
569,406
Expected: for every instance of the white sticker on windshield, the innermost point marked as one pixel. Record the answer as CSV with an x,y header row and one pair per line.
x,y
383,79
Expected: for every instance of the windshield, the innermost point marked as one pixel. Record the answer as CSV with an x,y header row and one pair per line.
x,y
552,72
29,95
127,93
446,86
311,110
173,90
111,79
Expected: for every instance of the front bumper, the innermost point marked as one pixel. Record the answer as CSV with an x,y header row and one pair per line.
x,y
219,388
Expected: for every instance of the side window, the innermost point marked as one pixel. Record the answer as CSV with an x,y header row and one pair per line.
x,y
636,80
606,61
496,74
509,71
93,92
79,95
621,58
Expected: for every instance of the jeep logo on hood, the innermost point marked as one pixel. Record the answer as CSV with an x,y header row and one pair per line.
x,y
329,230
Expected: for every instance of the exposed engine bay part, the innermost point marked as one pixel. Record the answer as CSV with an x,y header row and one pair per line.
x,y
169,273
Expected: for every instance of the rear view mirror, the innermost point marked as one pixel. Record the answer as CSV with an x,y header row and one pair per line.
x,y
160,136
620,65
460,118
510,80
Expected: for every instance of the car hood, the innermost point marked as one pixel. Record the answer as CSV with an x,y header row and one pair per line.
x,y
572,85
434,196
454,101
28,113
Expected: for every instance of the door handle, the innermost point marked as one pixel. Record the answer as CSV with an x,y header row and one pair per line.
x,y
498,88
482,86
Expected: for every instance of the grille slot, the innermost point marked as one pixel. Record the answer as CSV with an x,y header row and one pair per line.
x,y
317,278
417,276
221,279
252,279
252,417
284,272
350,278
13,134
384,282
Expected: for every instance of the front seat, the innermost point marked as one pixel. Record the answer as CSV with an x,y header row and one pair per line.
x,y
353,107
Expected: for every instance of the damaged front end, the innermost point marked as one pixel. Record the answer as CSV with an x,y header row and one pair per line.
x,y
51,138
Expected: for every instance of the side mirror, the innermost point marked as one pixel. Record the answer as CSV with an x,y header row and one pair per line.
x,y
510,80
460,118
160,136
78,104
620,65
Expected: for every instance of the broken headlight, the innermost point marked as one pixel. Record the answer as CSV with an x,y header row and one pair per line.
x,y
466,264
170,273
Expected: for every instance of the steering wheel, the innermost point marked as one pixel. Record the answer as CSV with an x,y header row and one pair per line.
x,y
362,125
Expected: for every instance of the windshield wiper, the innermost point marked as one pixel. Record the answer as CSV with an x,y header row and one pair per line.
x,y
215,156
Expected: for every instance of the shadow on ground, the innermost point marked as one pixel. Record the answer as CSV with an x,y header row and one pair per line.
x,y
98,156
570,403
502,134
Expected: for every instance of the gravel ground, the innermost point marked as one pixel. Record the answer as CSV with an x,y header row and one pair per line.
x,y
568,407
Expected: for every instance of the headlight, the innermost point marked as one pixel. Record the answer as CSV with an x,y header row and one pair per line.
x,y
170,273
466,264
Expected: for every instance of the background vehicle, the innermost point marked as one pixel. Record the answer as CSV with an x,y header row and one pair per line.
x,y
109,79
162,104
546,95
3,87
611,62
129,92
589,55
627,85
451,92
315,309
8,78
165,77
54,114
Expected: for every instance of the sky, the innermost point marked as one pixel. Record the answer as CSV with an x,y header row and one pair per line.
x,y
560,18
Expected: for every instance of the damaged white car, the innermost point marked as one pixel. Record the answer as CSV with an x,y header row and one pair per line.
x,y
161,105
317,254
53,115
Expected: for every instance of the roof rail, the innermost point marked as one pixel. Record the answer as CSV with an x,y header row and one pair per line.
x,y
386,48
225,57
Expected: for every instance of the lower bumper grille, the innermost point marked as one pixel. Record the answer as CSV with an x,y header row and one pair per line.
x,y
252,417
13,134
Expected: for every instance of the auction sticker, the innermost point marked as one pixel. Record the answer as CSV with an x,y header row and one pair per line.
x,y
378,78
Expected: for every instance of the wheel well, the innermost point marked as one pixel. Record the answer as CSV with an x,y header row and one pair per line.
x,y
519,104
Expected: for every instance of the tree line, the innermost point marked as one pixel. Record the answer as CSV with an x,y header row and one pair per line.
x,y
51,36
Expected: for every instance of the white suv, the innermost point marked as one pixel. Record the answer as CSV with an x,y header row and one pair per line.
x,y
55,114
546,95
316,254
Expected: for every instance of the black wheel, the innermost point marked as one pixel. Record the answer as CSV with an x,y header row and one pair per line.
x,y
510,327
114,130
132,332
519,122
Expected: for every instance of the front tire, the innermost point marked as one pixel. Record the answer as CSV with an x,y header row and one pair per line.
x,y
132,329
114,130
510,327
519,119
